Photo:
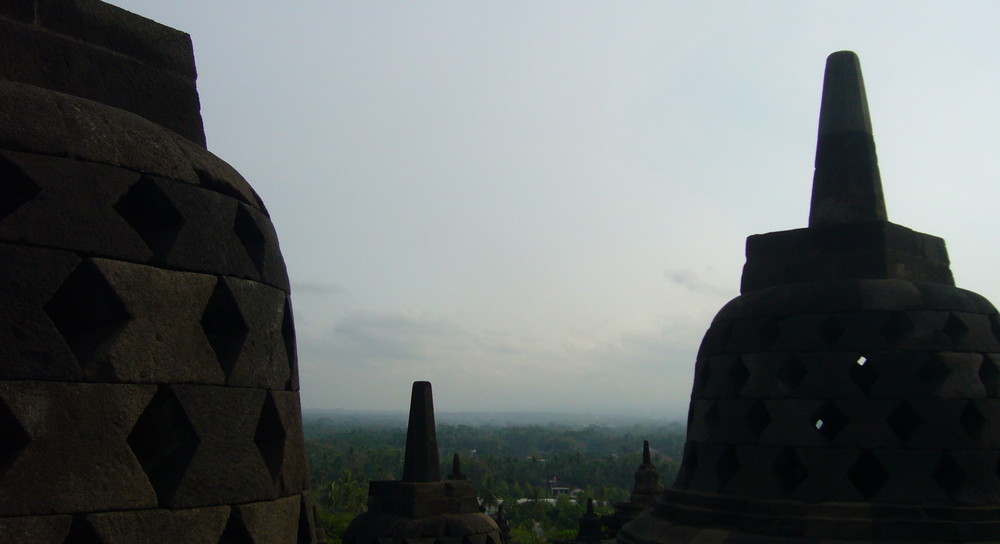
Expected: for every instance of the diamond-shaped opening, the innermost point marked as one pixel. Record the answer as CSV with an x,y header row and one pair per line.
x,y
789,470
791,372
270,437
288,336
829,421
989,375
13,438
224,326
727,466
934,372
904,421
768,333
306,530
713,416
81,532
689,464
863,373
87,312
830,330
972,420
151,215
897,325
250,236
867,475
757,417
164,441
949,475
738,376
236,531
955,328
16,188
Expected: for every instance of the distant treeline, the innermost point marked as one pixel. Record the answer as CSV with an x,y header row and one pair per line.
x,y
505,462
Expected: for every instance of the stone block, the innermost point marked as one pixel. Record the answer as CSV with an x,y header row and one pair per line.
x,y
62,469
163,342
113,28
262,359
161,526
827,479
227,466
294,474
271,522
31,347
828,376
792,424
35,529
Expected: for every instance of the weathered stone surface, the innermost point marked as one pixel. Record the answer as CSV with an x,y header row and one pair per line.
x,y
77,459
161,526
34,529
294,474
263,359
271,522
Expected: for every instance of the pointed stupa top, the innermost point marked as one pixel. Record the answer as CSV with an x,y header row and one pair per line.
x,y
421,462
847,187
646,458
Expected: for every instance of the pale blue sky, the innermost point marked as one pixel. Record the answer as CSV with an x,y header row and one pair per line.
x,y
541,205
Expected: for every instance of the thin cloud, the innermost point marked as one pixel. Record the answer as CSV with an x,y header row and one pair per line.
x,y
690,280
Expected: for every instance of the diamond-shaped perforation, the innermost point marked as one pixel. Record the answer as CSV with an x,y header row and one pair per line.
x,y
16,188
972,420
829,421
790,372
897,325
270,437
934,372
738,376
250,235
151,215
87,312
224,326
81,532
989,375
949,475
768,333
830,330
288,337
164,441
868,475
757,417
13,438
904,421
789,470
864,373
955,328
727,465
236,531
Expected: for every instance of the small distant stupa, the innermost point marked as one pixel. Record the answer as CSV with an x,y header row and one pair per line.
x,y
421,505
850,394
645,490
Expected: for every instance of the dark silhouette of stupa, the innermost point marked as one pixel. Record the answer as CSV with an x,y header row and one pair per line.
x,y
646,488
850,393
421,507
148,376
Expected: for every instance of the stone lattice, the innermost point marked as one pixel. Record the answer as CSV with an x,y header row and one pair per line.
x,y
148,383
850,394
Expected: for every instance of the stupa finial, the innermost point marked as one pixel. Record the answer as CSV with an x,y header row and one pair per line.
x,y
421,462
646,459
847,187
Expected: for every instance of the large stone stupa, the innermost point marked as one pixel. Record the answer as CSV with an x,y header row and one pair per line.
x,y
850,393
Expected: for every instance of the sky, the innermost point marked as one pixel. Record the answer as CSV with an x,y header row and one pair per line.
x,y
541,205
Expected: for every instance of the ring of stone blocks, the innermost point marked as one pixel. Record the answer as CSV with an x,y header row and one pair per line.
x,y
145,446
283,521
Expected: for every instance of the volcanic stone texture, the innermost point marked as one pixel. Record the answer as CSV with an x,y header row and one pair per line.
x,y
148,382
95,50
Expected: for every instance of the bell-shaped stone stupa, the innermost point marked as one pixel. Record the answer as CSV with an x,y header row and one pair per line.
x,y
850,393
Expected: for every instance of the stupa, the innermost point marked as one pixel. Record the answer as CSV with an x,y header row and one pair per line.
x,y
849,394
148,377
421,507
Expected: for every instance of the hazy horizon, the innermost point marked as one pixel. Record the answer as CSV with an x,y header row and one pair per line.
x,y
541,205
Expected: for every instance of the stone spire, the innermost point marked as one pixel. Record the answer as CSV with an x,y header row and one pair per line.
x,y
847,187
421,462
